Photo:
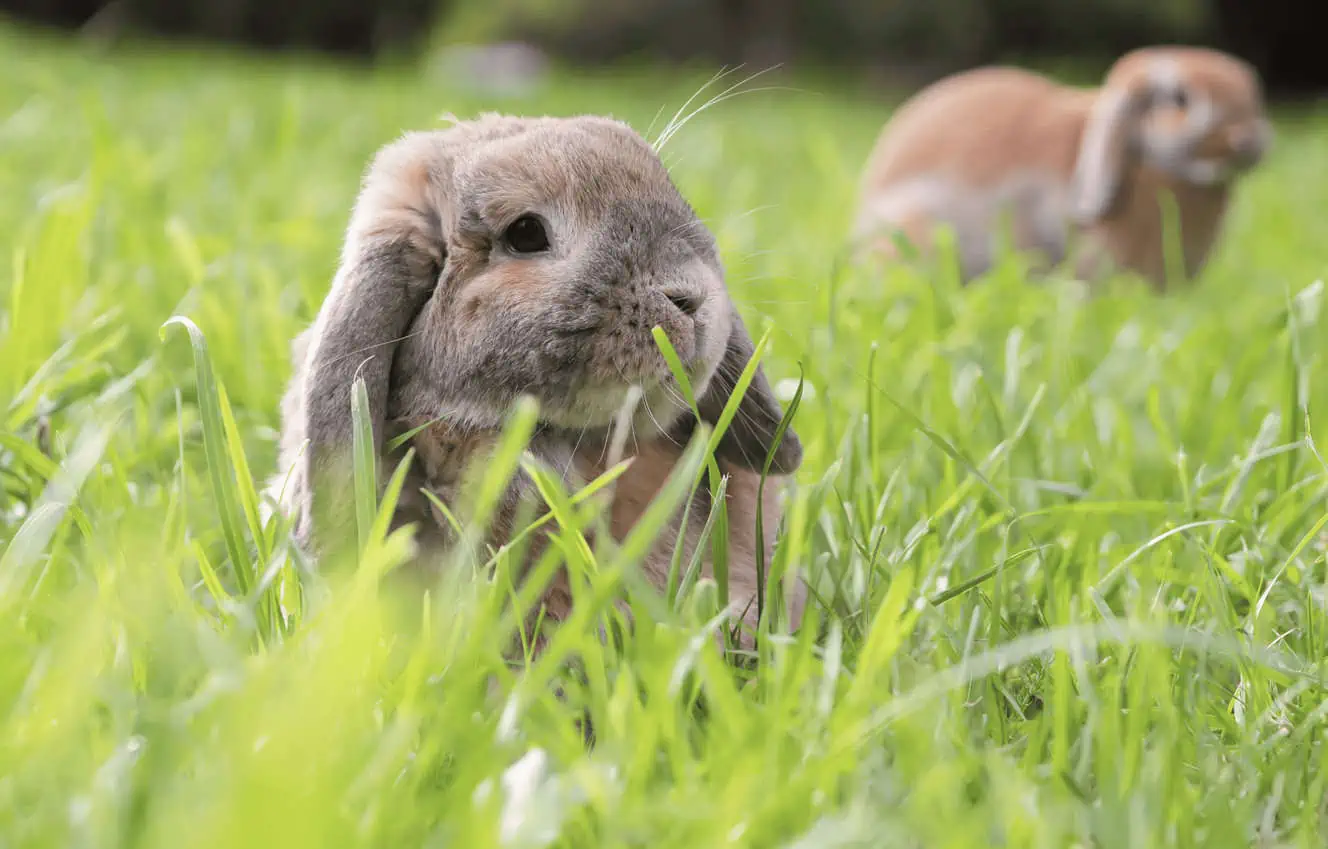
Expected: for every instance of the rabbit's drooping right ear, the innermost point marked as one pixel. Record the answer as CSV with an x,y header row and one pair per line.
x,y
750,436
1083,175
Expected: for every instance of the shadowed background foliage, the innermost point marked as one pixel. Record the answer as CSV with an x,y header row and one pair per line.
x,y
916,38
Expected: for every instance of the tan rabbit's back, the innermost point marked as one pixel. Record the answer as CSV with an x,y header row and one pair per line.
x,y
977,127
984,148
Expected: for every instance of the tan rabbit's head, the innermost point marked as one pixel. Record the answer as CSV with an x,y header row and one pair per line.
x,y
1194,114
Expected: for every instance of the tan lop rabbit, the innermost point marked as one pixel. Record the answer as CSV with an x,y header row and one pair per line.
x,y
1072,173
504,257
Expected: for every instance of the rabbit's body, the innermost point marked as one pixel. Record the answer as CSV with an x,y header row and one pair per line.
x,y
1010,166
1065,173
508,257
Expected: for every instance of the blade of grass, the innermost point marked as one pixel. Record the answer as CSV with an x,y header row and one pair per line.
x,y
214,446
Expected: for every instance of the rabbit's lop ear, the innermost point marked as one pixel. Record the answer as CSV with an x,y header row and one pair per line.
x,y
393,255
751,434
1104,150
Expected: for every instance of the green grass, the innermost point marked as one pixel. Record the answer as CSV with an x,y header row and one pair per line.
x,y
1070,550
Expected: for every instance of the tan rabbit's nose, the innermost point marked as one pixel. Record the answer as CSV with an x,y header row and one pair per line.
x,y
1249,141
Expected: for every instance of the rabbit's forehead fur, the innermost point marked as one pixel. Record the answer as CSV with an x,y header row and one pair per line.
x,y
570,324
1221,88
1212,72
592,169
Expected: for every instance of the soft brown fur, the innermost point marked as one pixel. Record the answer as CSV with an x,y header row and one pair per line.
x,y
1073,173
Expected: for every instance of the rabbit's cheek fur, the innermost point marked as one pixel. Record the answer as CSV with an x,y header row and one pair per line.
x,y
1166,145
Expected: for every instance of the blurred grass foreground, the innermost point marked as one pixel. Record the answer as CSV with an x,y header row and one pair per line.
x,y
1068,550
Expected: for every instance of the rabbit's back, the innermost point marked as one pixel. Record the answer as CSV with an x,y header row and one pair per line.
x,y
979,151
979,126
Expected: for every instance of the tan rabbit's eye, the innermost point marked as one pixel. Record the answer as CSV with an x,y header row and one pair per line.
x,y
526,235
1171,98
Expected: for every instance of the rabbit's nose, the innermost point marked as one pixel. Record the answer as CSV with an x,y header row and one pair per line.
x,y
1249,141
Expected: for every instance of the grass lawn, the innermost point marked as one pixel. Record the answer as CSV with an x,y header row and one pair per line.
x,y
1070,551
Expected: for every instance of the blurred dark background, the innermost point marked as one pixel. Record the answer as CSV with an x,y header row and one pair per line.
x,y
924,37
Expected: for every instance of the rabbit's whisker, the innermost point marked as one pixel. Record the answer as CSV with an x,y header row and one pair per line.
x,y
660,111
663,432
744,415
721,74
749,213
727,94
675,395
645,402
368,348
571,458
688,225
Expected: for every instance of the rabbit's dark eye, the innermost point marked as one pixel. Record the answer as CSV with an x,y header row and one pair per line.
x,y
1180,98
526,235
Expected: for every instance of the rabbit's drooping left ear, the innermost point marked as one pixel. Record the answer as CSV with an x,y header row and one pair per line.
x,y
394,253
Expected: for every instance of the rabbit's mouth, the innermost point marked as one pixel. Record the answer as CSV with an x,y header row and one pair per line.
x,y
647,408
1217,158
1207,172
1248,144
617,374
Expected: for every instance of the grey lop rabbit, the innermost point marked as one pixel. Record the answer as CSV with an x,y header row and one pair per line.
x,y
507,256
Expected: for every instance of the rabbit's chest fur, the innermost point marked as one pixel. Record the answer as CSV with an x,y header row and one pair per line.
x,y
1137,233
445,454
743,496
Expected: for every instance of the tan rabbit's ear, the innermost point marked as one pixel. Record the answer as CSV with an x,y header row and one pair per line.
x,y
390,266
749,437
1104,150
